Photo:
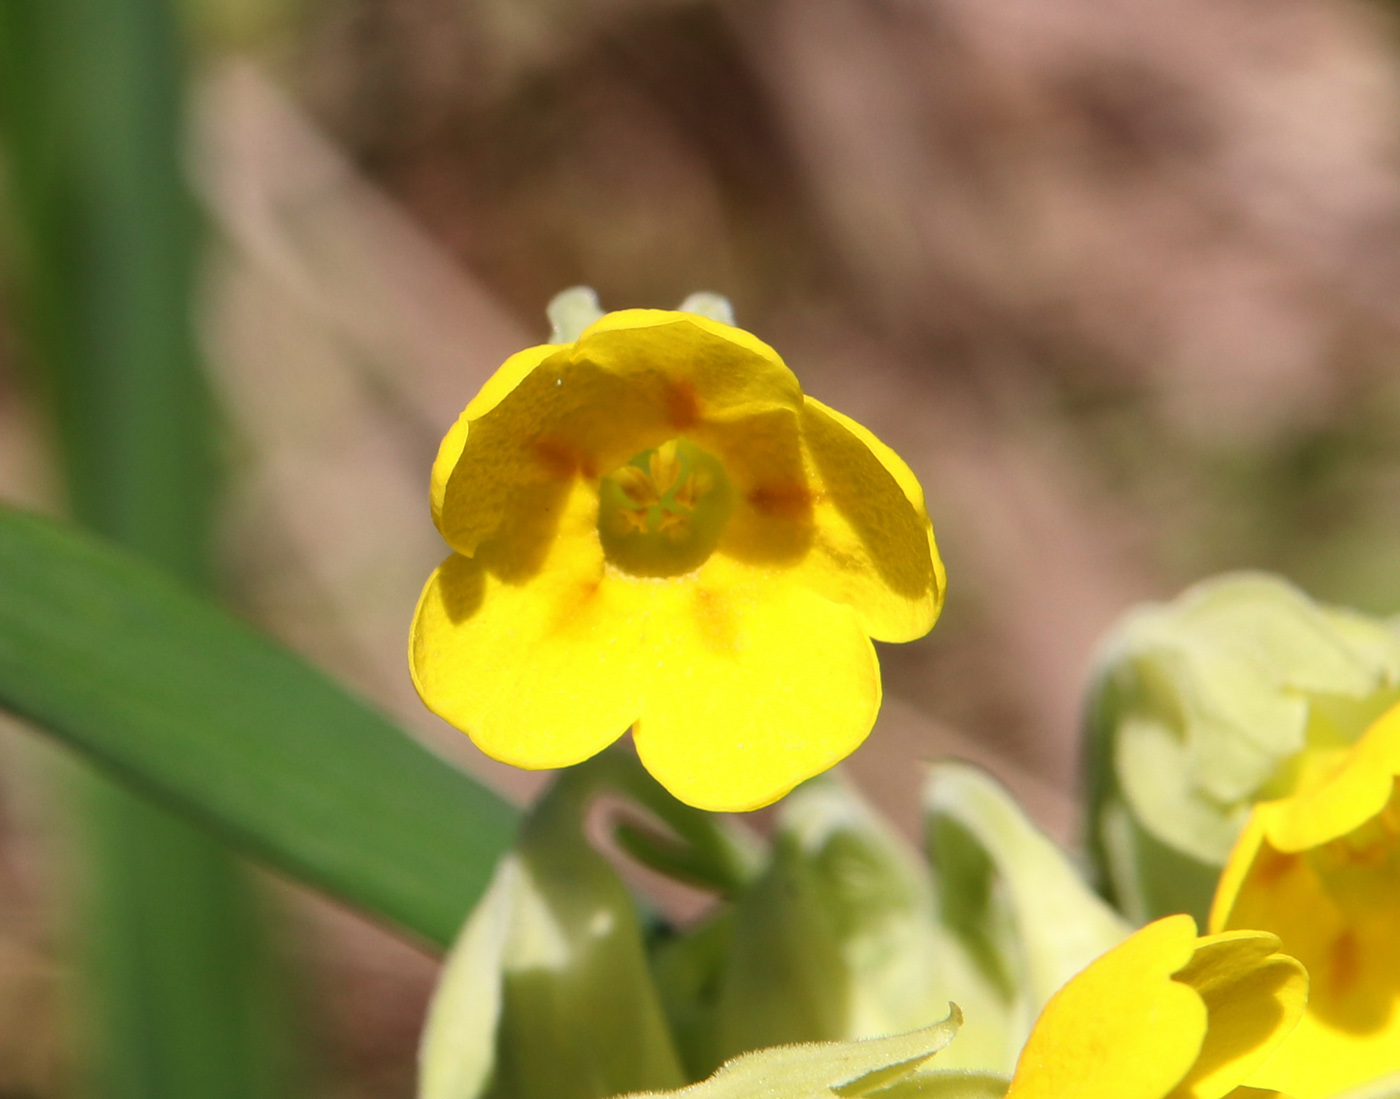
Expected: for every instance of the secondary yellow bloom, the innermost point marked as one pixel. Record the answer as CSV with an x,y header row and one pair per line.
x,y
654,527
1321,869
1165,1014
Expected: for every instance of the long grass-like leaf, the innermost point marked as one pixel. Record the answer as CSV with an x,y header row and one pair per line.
x,y
199,711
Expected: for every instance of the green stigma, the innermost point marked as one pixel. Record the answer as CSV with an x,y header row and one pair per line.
x,y
662,513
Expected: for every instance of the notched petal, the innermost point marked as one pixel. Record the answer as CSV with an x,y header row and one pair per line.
x,y
1254,997
1122,1028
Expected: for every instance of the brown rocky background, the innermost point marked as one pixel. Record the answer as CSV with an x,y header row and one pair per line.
x,y
1119,278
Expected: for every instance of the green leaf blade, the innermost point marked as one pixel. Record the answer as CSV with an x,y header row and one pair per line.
x,y
200,712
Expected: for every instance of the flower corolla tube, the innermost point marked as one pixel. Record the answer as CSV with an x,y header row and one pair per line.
x,y
654,527
1321,870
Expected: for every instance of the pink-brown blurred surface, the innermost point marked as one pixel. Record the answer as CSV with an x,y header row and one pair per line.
x,y
1119,278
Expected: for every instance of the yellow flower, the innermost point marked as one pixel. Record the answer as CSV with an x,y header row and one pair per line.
x,y
1165,1014
1321,869
653,527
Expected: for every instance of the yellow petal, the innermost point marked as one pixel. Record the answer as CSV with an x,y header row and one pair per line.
x,y
1254,997
772,520
753,685
731,371
633,381
506,378
1350,1033
1122,1028
540,673
1357,790
874,547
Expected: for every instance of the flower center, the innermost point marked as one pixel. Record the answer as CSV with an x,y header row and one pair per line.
x,y
662,513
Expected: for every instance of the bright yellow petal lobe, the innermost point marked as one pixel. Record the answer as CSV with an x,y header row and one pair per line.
x,y
873,545
1321,870
536,672
1254,997
653,526
1340,802
506,378
1164,1015
1122,1028
753,676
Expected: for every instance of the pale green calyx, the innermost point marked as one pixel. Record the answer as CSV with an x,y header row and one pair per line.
x,y
704,303
571,311
1205,705
824,1070
834,931
1011,896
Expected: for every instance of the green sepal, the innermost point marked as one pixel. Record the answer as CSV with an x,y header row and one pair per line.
x,y
824,1070
571,311
547,993
1011,895
946,1084
840,939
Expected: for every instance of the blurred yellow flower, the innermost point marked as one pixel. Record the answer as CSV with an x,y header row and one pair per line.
x,y
1165,1013
1321,869
654,527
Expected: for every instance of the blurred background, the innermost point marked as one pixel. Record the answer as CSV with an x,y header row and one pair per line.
x,y
1119,278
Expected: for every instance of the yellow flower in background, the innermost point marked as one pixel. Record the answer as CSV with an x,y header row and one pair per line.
x,y
1321,869
1165,1013
655,528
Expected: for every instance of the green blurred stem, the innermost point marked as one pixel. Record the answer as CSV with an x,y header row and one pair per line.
x,y
105,239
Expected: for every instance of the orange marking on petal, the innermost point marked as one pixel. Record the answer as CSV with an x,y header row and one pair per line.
x,y
682,405
716,620
561,460
1273,865
573,605
1344,963
784,501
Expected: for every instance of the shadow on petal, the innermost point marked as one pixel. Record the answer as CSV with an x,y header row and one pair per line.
x,y
868,497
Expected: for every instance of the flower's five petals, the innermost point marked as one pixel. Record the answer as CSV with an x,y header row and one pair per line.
x,y
1164,1015
654,525
754,678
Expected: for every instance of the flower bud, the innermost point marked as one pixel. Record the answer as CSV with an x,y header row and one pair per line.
x,y
1012,899
840,939
546,994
